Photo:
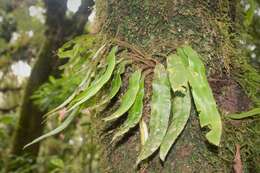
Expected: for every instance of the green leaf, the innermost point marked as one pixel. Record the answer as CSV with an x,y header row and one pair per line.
x,y
202,94
129,97
134,114
250,13
242,115
83,84
177,73
8,119
98,84
74,47
160,112
181,104
115,84
57,130
57,162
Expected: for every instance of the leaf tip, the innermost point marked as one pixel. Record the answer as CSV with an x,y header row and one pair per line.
x,y
27,145
162,157
214,138
107,119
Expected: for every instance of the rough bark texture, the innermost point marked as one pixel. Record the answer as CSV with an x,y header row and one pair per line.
x,y
158,28
59,29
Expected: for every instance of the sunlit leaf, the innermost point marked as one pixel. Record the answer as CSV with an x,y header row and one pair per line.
x,y
60,128
98,84
202,94
129,97
160,112
134,113
247,114
181,103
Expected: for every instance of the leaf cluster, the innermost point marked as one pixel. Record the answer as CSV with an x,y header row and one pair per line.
x,y
172,89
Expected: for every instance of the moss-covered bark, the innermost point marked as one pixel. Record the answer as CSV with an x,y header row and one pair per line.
x,y
158,28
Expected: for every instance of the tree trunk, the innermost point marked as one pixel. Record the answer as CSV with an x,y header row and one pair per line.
x,y
158,28
58,30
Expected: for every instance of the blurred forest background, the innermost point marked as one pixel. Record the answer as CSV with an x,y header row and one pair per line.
x,y
31,29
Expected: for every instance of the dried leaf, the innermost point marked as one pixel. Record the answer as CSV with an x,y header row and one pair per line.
x,y
181,104
129,97
160,112
238,167
143,131
134,113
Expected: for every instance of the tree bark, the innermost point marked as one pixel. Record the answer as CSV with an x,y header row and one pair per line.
x,y
158,28
58,30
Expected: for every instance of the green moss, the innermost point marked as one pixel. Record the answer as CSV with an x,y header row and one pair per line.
x,y
249,79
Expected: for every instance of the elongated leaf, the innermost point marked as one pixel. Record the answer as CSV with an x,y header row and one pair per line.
x,y
177,73
181,113
96,86
60,128
115,84
129,97
242,115
84,83
202,95
160,112
181,104
134,114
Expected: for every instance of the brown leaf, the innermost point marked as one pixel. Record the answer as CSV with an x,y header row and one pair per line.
x,y
237,166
